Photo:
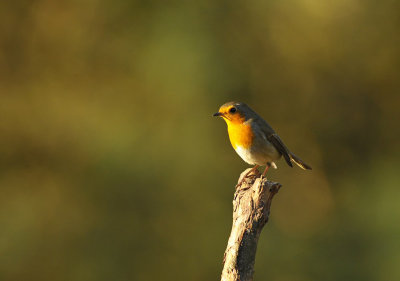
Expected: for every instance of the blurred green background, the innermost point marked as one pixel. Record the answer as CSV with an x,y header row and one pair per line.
x,y
112,168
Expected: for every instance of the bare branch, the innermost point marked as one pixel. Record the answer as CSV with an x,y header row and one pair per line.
x,y
251,207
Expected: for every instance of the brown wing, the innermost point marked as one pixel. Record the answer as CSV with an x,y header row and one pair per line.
x,y
273,138
280,146
276,141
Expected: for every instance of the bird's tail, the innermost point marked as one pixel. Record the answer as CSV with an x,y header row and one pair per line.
x,y
299,162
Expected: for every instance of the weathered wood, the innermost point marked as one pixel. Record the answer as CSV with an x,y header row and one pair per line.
x,y
251,208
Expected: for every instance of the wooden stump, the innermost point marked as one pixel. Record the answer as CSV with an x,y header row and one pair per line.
x,y
251,208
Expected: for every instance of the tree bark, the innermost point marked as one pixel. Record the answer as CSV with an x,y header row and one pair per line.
x,y
251,208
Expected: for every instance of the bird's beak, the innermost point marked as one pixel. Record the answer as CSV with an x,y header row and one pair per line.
x,y
221,114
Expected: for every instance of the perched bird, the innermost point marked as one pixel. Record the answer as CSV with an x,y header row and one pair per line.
x,y
254,139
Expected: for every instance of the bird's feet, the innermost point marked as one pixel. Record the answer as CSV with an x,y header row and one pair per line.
x,y
252,173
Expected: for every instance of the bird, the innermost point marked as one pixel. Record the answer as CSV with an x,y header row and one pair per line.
x,y
254,139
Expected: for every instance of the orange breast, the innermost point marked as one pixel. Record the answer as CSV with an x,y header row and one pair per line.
x,y
240,134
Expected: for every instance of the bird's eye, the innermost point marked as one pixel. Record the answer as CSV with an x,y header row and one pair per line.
x,y
232,110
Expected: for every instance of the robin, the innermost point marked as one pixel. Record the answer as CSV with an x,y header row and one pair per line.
x,y
254,139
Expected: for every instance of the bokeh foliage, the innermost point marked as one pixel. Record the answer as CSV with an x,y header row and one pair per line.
x,y
112,167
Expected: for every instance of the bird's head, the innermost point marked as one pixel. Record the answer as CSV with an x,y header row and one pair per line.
x,y
234,112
